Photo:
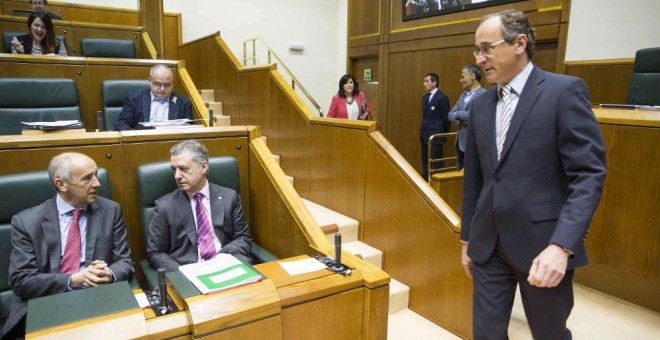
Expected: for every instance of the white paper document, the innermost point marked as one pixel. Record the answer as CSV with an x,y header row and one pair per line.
x,y
142,300
302,266
170,123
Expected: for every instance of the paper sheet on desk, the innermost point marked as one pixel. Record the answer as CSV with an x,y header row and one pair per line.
x,y
142,300
302,266
170,123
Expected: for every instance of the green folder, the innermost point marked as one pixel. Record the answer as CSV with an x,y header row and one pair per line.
x,y
54,310
184,288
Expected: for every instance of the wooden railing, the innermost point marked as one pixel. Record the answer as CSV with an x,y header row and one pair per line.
x,y
349,167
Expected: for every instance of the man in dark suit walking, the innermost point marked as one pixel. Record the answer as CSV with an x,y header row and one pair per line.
x,y
435,107
460,113
534,173
156,103
199,219
74,240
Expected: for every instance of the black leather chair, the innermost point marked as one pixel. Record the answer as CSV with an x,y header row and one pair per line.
x,y
36,100
7,36
114,94
156,179
17,193
644,86
108,48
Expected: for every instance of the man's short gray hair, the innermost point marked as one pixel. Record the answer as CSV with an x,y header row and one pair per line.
x,y
196,149
157,67
513,23
60,167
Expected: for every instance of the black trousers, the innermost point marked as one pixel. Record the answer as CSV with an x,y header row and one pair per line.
x,y
495,282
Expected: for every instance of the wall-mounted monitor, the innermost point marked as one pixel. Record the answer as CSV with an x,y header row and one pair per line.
x,y
416,9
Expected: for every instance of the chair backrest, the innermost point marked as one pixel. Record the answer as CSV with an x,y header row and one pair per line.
x,y
644,86
17,193
7,36
36,100
156,179
114,94
108,48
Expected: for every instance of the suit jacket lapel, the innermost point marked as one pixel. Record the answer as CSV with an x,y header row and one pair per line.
x,y
146,106
52,235
171,113
217,212
530,94
185,214
490,126
92,231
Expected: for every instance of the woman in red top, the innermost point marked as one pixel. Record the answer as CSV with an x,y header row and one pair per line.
x,y
349,102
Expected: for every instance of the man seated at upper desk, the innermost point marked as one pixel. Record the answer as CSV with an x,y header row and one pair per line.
x,y
42,6
199,219
73,240
154,104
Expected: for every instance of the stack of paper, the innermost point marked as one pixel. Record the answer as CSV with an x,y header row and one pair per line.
x,y
168,123
56,125
222,272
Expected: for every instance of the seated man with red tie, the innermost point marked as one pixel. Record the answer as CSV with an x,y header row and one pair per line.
x,y
199,219
74,240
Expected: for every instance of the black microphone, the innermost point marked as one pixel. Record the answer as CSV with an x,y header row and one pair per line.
x,y
337,252
162,287
210,118
99,121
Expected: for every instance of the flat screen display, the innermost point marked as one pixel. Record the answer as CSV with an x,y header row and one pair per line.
x,y
416,9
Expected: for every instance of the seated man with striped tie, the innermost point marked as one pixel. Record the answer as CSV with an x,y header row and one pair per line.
x,y
199,219
155,103
72,241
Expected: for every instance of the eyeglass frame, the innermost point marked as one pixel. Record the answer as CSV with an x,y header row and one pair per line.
x,y
486,50
159,85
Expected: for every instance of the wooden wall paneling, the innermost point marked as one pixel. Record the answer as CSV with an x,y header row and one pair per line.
x,y
545,56
383,66
560,66
272,223
102,15
75,68
338,167
371,88
376,303
449,185
266,329
150,17
153,146
172,36
608,84
287,132
313,320
99,73
198,56
419,249
254,92
363,22
625,233
225,80
82,31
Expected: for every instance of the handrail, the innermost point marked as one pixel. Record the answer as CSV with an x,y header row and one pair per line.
x,y
431,160
294,80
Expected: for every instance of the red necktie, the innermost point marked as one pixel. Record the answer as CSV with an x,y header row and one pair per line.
x,y
204,236
71,258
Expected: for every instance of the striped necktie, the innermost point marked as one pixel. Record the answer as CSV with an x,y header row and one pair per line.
x,y
71,259
204,231
505,118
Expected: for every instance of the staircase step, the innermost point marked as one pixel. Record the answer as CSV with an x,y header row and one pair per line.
x,y
370,254
277,158
399,294
215,106
265,138
407,324
290,178
221,120
348,227
207,95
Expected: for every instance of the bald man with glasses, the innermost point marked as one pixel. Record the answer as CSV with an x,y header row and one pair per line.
x,y
42,6
156,103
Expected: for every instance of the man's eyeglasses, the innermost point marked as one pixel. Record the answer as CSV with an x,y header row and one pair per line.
x,y
486,50
38,3
163,85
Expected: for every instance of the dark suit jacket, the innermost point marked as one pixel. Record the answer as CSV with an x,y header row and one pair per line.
x,y
460,114
34,268
137,108
549,180
173,233
434,115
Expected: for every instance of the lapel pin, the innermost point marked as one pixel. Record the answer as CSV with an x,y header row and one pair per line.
x,y
432,107
174,100
219,197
